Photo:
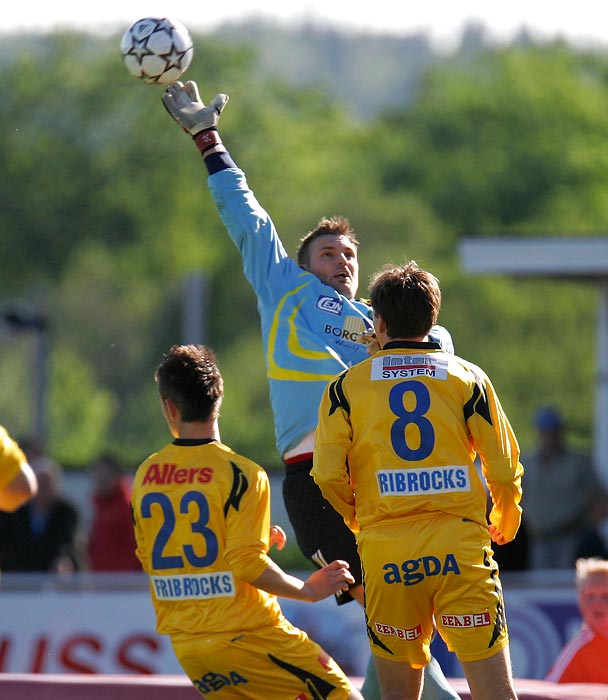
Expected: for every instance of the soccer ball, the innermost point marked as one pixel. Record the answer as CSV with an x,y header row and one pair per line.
x,y
156,50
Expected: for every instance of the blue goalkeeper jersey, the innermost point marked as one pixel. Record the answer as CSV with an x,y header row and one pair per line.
x,y
309,330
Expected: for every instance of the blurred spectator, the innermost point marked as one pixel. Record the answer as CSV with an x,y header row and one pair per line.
x,y
584,658
561,488
17,479
111,544
41,535
594,540
515,555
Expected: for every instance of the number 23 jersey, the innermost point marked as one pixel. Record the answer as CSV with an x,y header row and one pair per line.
x,y
202,521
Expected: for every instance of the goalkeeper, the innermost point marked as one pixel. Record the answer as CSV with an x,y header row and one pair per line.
x,y
312,324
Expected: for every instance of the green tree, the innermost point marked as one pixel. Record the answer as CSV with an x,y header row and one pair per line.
x,y
512,142
104,212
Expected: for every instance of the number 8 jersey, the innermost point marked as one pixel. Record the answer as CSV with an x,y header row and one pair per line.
x,y
202,522
405,440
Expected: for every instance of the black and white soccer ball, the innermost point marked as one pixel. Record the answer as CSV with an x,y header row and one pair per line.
x,y
157,50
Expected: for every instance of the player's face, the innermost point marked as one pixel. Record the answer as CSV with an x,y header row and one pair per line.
x,y
594,604
333,259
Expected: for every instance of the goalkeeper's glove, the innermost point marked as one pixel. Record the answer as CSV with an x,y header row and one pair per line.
x,y
184,104
441,335
368,338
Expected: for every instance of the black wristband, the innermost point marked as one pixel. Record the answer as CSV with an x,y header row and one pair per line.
x,y
219,161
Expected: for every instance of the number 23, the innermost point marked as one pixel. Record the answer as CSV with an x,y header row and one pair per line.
x,y
198,527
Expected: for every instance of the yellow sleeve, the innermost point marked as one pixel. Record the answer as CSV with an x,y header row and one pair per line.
x,y
248,531
141,551
332,442
498,449
11,459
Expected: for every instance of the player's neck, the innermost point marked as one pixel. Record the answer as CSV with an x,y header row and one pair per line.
x,y
198,430
386,339
421,339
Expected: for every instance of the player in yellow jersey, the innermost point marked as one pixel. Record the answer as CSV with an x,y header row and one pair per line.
x,y
395,454
202,523
311,322
18,482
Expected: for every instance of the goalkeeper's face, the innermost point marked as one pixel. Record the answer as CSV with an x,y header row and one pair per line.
x,y
333,259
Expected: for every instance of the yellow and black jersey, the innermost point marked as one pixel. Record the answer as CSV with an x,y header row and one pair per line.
x,y
398,435
11,459
202,523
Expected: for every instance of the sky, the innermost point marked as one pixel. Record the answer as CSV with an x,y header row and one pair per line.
x,y
584,22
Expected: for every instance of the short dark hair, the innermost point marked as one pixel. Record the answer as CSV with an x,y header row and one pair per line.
x,y
407,298
189,376
335,226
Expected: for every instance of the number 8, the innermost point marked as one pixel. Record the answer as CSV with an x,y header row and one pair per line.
x,y
415,417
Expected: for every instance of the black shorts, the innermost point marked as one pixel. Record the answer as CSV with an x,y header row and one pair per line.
x,y
321,533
